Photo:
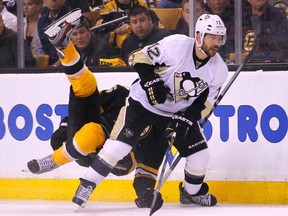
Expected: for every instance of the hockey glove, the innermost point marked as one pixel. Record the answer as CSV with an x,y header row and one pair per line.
x,y
179,124
156,90
60,135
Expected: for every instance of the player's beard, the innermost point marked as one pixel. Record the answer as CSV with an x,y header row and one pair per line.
x,y
210,51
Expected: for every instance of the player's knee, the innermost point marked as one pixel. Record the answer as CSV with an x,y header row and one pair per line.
x,y
89,138
197,163
114,151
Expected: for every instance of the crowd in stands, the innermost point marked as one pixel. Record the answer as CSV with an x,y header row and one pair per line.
x,y
115,33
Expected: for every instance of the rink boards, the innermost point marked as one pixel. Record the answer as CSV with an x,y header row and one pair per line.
x,y
247,137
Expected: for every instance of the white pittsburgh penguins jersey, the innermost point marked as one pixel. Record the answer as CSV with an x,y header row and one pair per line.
x,y
173,61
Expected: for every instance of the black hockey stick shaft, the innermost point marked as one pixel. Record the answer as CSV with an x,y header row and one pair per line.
x,y
108,23
257,29
159,185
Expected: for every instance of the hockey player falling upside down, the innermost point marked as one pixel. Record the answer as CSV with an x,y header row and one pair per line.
x,y
87,129
196,88
180,79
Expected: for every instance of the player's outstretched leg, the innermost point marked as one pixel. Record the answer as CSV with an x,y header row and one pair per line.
x,y
38,166
83,193
200,198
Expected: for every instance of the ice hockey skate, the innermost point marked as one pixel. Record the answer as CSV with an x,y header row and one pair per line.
x,y
59,32
202,198
145,201
38,166
83,193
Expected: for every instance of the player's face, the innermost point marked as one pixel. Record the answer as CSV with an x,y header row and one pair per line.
x,y
211,44
141,25
81,37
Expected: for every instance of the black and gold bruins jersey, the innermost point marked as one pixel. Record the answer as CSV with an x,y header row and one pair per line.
x,y
111,101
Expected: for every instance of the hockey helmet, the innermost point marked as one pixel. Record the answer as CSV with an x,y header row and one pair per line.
x,y
211,24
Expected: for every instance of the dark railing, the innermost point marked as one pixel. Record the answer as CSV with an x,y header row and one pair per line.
x,y
248,67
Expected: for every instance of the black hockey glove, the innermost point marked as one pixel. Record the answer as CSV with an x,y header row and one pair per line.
x,y
60,135
179,124
156,90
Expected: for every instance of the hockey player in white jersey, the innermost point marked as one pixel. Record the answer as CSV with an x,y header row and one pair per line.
x,y
179,80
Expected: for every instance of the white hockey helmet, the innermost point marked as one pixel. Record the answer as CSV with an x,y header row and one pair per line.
x,y
211,24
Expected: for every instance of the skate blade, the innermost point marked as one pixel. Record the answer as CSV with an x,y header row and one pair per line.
x,y
53,29
77,208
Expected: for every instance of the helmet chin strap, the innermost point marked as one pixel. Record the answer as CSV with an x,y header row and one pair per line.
x,y
199,46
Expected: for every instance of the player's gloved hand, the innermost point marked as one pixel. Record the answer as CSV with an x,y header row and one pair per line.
x,y
156,90
179,124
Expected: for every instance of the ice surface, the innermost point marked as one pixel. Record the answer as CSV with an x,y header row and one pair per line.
x,y
65,208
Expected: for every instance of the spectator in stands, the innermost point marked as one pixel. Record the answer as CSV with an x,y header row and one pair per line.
x,y
53,11
92,48
10,20
183,24
8,48
273,45
224,9
116,9
144,32
32,12
169,4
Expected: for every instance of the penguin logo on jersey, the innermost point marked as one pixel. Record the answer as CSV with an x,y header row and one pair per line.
x,y
187,86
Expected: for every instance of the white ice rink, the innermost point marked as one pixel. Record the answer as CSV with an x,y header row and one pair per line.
x,y
45,208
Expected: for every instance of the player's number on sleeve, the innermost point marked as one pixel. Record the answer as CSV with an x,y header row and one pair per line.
x,y
153,51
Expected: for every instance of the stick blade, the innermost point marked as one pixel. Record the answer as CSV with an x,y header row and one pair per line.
x,y
157,203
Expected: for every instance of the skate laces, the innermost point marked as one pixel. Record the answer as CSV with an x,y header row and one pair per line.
x,y
46,163
84,193
204,200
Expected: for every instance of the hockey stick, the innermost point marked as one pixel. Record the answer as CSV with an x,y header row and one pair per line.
x,y
257,28
108,23
153,207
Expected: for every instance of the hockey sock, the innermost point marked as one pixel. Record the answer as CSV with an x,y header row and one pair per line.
x,y
71,56
82,79
61,156
106,160
195,170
